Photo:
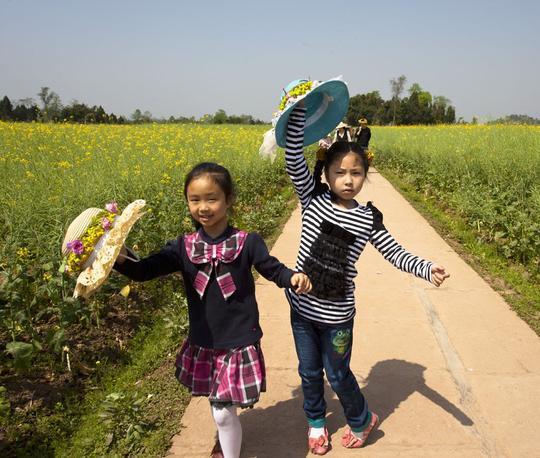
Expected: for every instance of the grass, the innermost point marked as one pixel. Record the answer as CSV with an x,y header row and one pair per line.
x,y
487,175
511,280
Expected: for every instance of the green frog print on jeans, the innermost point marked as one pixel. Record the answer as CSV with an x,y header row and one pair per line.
x,y
342,341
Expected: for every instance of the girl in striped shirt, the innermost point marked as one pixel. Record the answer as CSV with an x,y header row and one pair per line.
x,y
335,230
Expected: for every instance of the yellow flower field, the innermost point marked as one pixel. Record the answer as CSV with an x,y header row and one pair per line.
x,y
489,175
52,172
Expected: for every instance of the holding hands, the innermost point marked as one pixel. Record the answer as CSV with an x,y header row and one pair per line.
x,y
301,283
438,275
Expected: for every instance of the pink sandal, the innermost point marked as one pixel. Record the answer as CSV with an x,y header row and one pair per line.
x,y
320,445
349,440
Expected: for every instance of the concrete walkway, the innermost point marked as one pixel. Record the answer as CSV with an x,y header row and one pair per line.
x,y
451,371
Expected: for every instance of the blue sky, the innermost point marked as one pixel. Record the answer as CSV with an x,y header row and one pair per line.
x,y
190,58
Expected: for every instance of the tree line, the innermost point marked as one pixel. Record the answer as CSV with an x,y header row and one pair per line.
x,y
51,109
517,119
418,107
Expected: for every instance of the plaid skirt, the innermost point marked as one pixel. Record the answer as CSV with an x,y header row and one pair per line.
x,y
235,376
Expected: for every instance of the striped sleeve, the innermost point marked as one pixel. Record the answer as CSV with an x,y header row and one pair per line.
x,y
393,252
297,167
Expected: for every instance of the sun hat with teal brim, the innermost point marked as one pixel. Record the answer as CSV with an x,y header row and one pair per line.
x,y
326,104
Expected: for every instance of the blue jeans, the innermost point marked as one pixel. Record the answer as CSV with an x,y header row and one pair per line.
x,y
327,347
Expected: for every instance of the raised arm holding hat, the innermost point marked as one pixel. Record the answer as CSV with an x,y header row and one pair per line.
x,y
326,104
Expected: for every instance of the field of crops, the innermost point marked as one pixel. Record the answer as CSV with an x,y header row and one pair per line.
x,y
488,175
48,175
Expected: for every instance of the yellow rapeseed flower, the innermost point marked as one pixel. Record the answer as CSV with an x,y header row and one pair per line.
x,y
23,252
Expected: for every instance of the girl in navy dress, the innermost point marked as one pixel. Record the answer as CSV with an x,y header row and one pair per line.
x,y
221,357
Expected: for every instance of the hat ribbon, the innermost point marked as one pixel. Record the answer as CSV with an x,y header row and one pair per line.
x,y
320,111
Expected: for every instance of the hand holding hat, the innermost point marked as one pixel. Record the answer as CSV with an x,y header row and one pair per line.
x,y
326,104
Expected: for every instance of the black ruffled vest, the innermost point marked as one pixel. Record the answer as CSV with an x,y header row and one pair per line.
x,y
327,264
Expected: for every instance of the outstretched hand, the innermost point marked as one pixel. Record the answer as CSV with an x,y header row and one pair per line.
x,y
438,275
301,283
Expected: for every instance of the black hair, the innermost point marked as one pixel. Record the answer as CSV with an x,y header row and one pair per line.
x,y
320,187
335,152
219,174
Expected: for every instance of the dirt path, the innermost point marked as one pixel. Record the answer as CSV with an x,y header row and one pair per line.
x,y
450,371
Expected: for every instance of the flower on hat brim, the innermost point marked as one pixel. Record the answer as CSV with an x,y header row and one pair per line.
x,y
81,249
91,278
297,91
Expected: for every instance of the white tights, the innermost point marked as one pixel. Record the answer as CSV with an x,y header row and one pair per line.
x,y
229,430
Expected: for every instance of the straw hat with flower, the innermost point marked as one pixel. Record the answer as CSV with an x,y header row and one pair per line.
x,y
326,104
93,242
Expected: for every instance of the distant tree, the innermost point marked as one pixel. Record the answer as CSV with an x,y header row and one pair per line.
x,y
388,113
137,116
522,119
397,86
235,119
52,105
6,109
439,108
370,106
26,110
99,115
20,113
415,87
182,119
206,119
517,119
450,115
220,117
418,107
77,112
27,102
410,109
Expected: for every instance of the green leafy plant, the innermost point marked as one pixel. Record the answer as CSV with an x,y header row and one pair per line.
x,y
124,418
22,353
5,405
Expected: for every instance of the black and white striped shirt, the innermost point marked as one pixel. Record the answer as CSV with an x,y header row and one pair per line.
x,y
364,221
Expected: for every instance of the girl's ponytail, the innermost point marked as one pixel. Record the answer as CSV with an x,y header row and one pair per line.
x,y
320,187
